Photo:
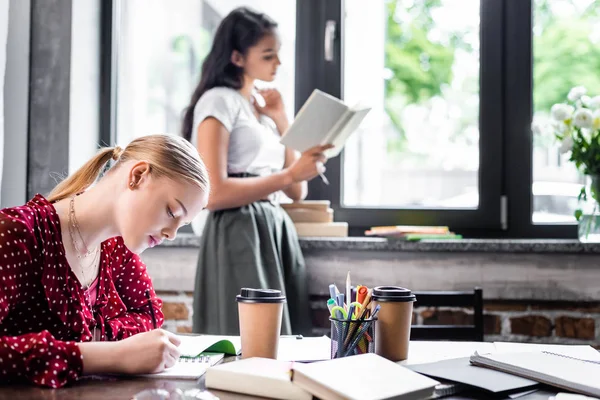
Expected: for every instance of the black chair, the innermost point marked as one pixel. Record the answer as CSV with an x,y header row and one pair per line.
x,y
466,299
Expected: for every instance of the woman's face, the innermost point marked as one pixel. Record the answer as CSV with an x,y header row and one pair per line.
x,y
262,60
155,208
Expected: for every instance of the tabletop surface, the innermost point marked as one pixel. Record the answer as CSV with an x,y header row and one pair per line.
x,y
126,388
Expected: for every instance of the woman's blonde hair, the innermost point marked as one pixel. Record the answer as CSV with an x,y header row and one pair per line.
x,y
168,155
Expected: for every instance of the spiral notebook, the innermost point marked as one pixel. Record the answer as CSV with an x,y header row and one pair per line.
x,y
559,370
188,367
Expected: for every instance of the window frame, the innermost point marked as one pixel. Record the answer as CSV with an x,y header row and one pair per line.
x,y
505,147
506,110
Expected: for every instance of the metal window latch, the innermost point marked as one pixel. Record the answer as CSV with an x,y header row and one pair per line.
x,y
330,26
504,212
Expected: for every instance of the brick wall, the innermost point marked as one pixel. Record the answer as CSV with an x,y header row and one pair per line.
x,y
177,308
542,322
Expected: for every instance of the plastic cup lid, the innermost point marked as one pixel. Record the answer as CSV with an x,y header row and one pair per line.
x,y
248,295
392,293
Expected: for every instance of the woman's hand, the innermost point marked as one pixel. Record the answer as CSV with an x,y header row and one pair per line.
x,y
310,164
148,352
273,107
144,353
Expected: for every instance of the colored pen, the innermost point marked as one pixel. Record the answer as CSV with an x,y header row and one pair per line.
x,y
330,304
151,308
348,289
340,299
361,293
350,312
332,291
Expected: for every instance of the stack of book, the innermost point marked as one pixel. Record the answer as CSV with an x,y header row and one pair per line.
x,y
409,232
314,218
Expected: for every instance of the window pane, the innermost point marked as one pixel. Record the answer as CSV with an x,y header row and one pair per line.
x,y
162,44
418,67
566,51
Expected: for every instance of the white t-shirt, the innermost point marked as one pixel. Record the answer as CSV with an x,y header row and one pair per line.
x,y
253,143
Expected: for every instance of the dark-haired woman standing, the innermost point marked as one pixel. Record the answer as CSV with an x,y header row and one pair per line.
x,y
248,240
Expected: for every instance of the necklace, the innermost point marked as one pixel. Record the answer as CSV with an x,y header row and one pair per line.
x,y
73,229
74,224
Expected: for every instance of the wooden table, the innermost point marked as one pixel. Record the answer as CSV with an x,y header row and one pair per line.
x,y
125,388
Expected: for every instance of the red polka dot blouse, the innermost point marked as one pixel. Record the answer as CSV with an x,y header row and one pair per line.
x,y
43,312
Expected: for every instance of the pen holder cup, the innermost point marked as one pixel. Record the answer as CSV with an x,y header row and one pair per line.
x,y
351,337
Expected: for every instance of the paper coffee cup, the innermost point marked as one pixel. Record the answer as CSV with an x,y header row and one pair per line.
x,y
393,321
260,312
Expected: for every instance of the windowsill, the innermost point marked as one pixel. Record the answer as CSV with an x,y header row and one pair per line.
x,y
465,245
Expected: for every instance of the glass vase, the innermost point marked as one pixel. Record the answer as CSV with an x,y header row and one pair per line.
x,y
588,229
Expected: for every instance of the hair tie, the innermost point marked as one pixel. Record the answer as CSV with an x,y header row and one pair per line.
x,y
117,151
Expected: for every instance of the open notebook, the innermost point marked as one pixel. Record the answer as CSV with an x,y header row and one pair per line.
x,y
193,345
198,353
188,368
559,370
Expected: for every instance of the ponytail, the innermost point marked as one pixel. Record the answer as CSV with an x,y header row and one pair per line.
x,y
85,176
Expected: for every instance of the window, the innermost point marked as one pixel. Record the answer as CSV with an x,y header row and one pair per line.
x,y
418,68
566,43
428,153
161,48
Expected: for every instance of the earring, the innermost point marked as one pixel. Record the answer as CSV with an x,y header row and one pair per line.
x,y
131,184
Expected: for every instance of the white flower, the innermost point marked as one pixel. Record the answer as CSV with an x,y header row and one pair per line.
x,y
594,102
576,93
560,128
566,145
561,112
585,100
596,120
583,118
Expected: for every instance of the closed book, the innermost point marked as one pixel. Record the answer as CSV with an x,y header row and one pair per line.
x,y
364,377
322,229
322,205
309,215
257,377
407,229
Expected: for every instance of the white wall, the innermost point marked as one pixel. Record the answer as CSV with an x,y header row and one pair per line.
x,y
4,4
16,109
85,82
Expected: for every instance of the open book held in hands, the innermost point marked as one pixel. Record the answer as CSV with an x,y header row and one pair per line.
x,y
323,119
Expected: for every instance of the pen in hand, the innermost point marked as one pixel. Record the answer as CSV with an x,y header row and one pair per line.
x,y
151,308
320,169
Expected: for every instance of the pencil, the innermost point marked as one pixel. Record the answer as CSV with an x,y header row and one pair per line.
x,y
151,308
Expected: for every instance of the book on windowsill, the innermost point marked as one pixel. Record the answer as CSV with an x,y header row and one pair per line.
x,y
316,205
322,229
308,215
407,229
413,233
323,119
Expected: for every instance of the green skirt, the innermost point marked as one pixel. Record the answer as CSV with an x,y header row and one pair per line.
x,y
254,246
